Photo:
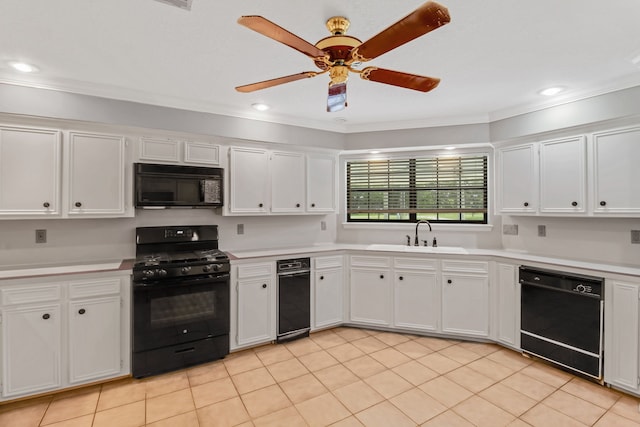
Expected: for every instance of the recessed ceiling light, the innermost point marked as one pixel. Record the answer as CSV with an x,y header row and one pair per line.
x,y
23,67
260,107
550,91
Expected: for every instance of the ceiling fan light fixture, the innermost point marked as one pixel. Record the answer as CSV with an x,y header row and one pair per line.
x,y
23,67
551,91
260,106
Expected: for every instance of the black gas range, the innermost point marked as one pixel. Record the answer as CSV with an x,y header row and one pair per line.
x,y
180,298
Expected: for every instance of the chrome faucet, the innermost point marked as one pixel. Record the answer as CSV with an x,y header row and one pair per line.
x,y
416,241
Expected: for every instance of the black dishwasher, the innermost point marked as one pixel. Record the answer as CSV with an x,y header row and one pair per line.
x,y
294,299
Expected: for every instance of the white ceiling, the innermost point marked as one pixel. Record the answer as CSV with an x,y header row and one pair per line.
x,y
492,58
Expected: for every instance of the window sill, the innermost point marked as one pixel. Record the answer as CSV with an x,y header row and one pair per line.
x,y
411,226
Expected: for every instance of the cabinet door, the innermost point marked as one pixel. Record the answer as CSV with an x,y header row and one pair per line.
x,y
371,296
465,304
321,173
616,172
254,311
508,307
31,349
159,150
96,175
205,153
621,335
563,176
29,172
94,338
415,300
249,180
328,297
287,182
517,179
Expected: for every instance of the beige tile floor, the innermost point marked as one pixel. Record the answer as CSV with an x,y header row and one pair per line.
x,y
343,377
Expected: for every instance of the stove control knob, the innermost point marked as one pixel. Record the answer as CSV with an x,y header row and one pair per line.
x,y
217,267
207,268
581,288
148,273
162,273
185,270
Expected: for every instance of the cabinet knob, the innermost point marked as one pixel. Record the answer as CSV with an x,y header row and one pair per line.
x,y
264,286
449,281
574,203
400,278
46,204
260,205
321,277
603,203
313,205
78,204
382,276
82,311
526,204
297,205
46,316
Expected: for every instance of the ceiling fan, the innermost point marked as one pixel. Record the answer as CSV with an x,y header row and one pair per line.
x,y
339,54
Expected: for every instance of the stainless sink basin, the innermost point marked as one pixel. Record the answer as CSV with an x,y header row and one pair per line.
x,y
419,249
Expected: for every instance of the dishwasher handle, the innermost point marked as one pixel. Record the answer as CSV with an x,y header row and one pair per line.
x,y
294,273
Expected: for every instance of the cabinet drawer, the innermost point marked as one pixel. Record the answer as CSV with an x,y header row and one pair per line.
x,y
466,266
370,261
94,288
328,262
255,270
31,294
415,263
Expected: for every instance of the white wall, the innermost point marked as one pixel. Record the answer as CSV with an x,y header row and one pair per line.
x,y
602,240
91,240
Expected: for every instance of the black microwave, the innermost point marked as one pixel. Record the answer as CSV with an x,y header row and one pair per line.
x,y
174,186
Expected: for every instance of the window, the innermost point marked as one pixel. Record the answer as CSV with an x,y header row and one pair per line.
x,y
439,189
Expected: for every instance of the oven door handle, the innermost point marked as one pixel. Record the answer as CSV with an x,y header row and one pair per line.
x,y
179,282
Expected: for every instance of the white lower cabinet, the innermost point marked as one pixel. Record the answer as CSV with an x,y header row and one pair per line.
x,y
370,291
622,334
94,338
328,289
465,298
415,294
255,304
31,343
508,305
57,335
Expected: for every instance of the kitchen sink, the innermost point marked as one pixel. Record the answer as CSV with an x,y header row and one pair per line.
x,y
419,249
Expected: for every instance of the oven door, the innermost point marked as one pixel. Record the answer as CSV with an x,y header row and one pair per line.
x,y
176,311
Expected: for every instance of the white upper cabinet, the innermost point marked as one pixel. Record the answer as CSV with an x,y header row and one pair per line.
x,y
30,172
321,172
563,175
287,182
249,173
276,182
517,179
166,150
616,175
96,175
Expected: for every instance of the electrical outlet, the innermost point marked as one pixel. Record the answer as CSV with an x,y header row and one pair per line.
x,y
542,231
41,236
240,229
323,225
510,229
635,236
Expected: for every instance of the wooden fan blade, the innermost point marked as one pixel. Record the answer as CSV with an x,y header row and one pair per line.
x,y
277,33
426,18
396,78
275,82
